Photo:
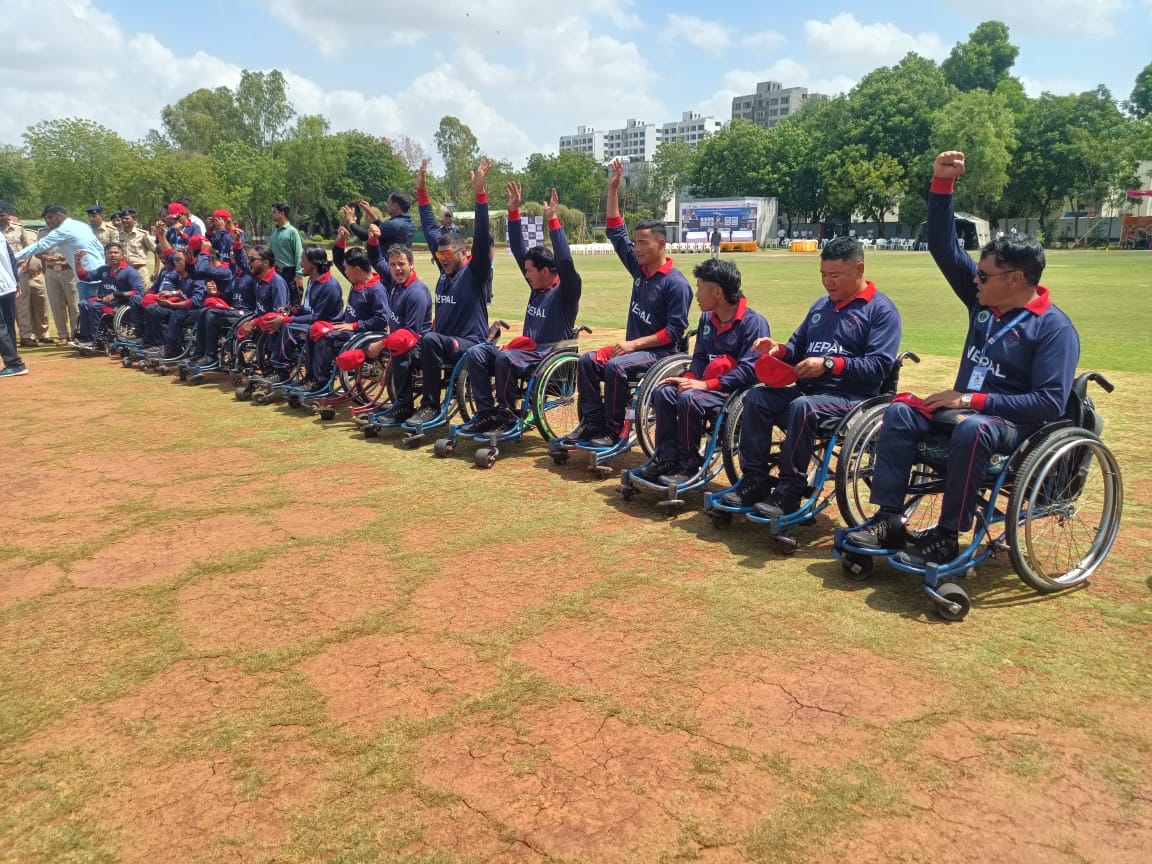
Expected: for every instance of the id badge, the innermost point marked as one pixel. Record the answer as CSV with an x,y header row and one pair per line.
x,y
976,381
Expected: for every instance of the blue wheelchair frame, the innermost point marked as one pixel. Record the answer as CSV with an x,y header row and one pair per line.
x,y
950,599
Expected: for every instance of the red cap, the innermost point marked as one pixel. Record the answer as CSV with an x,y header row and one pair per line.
x,y
221,214
720,366
774,372
521,343
401,342
195,242
215,303
93,298
265,320
107,310
604,354
244,329
148,300
319,330
175,209
352,360
914,402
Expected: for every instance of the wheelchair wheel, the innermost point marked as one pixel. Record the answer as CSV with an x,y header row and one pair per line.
x,y
367,384
554,395
122,324
1064,511
463,402
730,438
665,367
855,465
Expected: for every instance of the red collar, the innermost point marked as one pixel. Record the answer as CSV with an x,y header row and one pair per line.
x,y
1037,307
374,279
741,308
411,278
324,277
123,264
866,294
664,268
267,277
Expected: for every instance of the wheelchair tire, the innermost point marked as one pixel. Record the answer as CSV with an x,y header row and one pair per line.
x,y
554,395
645,422
854,467
367,384
1064,510
730,438
122,324
463,401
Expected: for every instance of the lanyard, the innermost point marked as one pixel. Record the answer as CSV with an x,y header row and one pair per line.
x,y
991,338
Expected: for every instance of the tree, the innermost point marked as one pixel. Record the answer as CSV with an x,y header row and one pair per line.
x,y
262,100
203,119
1140,102
16,184
75,161
790,172
577,177
252,181
460,151
857,182
983,61
671,169
410,151
730,162
313,168
372,167
981,125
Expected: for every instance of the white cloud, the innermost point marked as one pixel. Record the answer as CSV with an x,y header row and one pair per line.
x,y
1051,17
848,45
766,40
705,35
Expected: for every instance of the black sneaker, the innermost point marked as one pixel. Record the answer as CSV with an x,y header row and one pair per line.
x,y
776,505
401,415
882,531
585,432
424,415
481,424
934,546
749,492
653,470
603,439
506,421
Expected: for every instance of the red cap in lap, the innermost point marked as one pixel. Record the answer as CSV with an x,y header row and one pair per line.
x,y
215,303
774,372
521,343
401,342
319,330
914,402
722,365
352,360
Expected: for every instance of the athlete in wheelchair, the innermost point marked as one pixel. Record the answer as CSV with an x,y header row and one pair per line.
x,y
657,322
537,368
842,355
167,319
118,284
1015,424
683,405
461,309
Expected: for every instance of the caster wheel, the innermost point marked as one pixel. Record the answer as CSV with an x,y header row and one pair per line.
x,y
195,380
242,394
161,370
627,493
560,458
370,432
236,378
603,471
443,447
786,546
720,518
293,401
858,568
259,398
956,604
126,362
182,373
485,457
327,414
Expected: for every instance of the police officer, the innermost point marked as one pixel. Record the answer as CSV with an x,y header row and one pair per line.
x,y
104,232
138,244
32,304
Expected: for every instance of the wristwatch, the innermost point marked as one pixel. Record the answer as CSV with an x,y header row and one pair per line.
x,y
966,400
829,363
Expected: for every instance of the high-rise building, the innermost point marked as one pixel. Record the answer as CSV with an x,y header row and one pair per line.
x,y
770,104
637,139
691,128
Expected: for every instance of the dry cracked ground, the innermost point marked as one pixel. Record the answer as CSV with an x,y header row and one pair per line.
x,y
233,633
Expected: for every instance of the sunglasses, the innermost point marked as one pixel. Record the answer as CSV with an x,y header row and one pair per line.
x,y
983,277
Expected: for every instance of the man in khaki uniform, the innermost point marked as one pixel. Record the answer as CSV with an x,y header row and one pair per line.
x,y
60,284
32,302
139,246
104,232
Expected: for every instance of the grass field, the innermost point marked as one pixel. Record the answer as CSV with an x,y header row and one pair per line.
x,y
235,633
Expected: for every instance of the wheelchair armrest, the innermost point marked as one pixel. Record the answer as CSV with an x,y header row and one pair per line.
x,y
496,327
1097,378
583,328
907,355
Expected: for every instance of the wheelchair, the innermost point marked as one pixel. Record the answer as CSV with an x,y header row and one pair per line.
x,y
1053,505
229,359
639,418
548,403
341,388
828,447
105,335
457,399
153,358
719,451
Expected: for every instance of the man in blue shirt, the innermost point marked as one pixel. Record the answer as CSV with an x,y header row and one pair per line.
x,y
1015,375
71,235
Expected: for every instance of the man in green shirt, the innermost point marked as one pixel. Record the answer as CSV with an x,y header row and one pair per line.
x,y
288,249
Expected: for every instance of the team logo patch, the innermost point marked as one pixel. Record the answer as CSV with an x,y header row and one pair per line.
x,y
850,323
983,316
636,283
707,332
815,317
1011,338
653,295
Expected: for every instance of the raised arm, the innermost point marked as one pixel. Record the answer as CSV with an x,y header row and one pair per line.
x,y
956,264
481,263
338,250
428,222
616,231
571,285
515,228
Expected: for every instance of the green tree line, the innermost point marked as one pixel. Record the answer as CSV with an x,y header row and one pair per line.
x,y
866,152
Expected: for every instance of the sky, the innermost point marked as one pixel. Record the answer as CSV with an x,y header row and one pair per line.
x,y
518,75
